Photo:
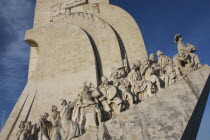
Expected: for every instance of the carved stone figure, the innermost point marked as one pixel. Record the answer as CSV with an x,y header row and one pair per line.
x,y
44,127
171,74
115,77
70,129
28,128
151,59
34,132
119,77
55,133
95,105
78,115
121,83
87,111
185,59
127,87
150,71
178,72
150,76
20,130
138,65
140,87
110,99
148,63
95,93
24,131
164,79
134,75
127,96
162,60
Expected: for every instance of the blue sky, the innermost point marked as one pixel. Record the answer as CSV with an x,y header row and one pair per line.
x,y
159,21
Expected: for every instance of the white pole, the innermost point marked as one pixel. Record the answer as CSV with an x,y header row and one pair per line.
x,y
2,123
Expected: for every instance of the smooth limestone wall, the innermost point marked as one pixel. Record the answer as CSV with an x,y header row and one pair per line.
x,y
127,30
104,40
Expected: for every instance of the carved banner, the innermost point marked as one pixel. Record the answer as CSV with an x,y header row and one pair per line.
x,y
63,7
74,3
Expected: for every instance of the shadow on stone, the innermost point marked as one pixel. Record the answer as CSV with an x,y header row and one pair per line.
x,y
106,135
192,128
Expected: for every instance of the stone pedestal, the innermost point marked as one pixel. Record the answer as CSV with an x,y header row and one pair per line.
x,y
174,113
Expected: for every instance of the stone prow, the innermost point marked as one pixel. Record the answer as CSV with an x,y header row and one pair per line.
x,y
174,113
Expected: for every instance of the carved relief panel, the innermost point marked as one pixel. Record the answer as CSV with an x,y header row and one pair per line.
x,y
65,7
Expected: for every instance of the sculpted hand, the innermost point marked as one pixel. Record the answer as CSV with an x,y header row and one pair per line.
x,y
102,98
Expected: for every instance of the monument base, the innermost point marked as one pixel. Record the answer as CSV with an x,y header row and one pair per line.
x,y
174,113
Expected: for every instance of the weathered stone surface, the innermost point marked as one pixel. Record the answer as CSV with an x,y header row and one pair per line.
x,y
174,113
66,60
82,41
127,30
103,39
65,56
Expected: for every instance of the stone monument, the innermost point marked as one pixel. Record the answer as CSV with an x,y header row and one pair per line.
x,y
90,78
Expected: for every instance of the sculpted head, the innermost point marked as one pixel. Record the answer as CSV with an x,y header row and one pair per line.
x,y
178,37
105,80
28,124
150,71
152,57
134,67
54,108
159,53
45,115
138,63
63,102
85,88
115,74
22,124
